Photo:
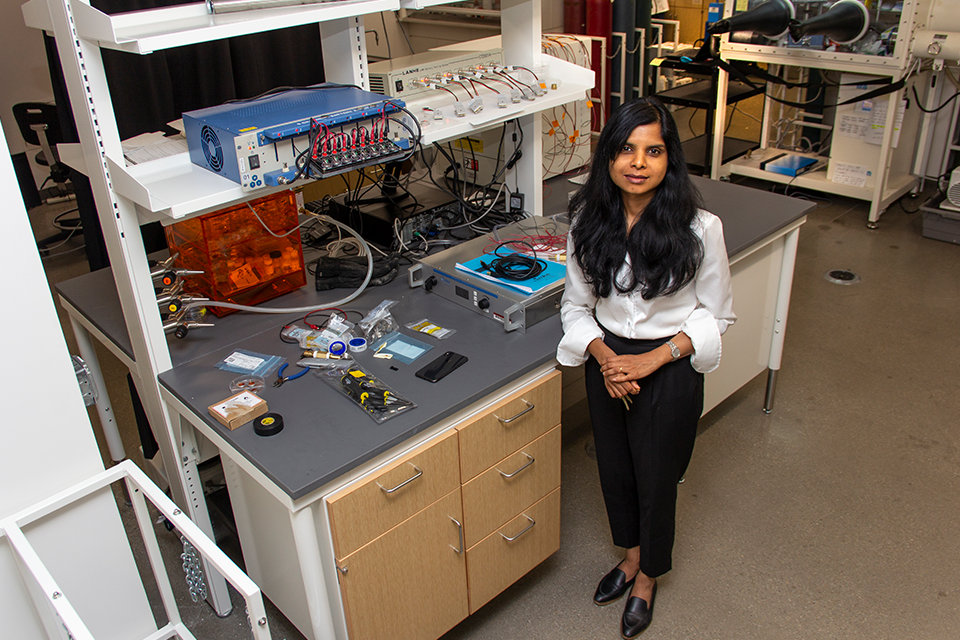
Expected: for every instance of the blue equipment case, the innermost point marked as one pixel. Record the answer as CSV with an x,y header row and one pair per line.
x,y
256,142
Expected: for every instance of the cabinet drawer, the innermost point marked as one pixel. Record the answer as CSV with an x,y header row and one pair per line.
x,y
375,503
411,582
497,562
508,425
516,482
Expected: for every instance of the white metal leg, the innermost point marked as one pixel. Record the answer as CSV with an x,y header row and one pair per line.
x,y
155,557
719,124
111,432
345,52
308,552
790,242
217,593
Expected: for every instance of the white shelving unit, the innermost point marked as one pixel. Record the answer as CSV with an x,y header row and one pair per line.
x,y
173,188
892,176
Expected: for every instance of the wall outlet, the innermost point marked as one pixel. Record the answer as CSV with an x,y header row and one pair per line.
x,y
516,203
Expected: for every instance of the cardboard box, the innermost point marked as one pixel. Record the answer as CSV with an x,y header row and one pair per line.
x,y
692,21
238,409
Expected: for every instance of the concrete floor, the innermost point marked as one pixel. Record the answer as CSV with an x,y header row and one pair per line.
x,y
833,517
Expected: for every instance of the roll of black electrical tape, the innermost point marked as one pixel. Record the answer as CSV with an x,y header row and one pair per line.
x,y
269,424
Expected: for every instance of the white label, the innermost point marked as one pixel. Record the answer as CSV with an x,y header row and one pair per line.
x,y
854,175
243,361
240,401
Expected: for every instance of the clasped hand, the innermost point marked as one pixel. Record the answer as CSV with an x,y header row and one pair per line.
x,y
621,372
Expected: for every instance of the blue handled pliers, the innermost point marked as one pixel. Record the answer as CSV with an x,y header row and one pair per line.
x,y
282,378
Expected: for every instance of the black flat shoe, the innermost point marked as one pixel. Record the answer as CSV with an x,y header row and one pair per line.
x,y
612,587
637,616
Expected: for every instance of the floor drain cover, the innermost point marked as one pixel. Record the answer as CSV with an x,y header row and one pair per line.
x,y
842,276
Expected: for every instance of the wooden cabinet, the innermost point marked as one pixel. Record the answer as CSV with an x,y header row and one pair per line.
x,y
454,521
508,425
411,582
511,551
505,489
386,498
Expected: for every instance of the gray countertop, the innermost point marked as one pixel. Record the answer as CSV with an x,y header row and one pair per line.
x,y
325,436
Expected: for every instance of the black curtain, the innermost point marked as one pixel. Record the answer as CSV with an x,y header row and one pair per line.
x,y
149,91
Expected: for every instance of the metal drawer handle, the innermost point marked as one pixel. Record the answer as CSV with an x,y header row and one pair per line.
x,y
405,482
460,529
529,526
530,407
510,475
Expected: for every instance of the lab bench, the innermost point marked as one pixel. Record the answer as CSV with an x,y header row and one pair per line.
x,y
336,511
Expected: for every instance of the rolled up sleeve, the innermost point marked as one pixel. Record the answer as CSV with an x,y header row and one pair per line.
x,y
580,326
714,312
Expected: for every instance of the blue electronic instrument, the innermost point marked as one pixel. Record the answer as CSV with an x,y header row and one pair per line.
x,y
313,132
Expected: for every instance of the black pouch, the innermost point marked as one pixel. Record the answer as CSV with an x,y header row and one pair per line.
x,y
338,273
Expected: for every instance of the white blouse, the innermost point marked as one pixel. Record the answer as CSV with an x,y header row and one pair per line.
x,y
703,309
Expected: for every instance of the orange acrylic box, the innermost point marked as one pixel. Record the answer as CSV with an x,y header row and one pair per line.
x,y
241,261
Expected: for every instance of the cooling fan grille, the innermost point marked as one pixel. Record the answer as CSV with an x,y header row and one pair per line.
x,y
211,148
953,189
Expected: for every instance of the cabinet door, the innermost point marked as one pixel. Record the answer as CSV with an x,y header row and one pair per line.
x,y
509,424
513,484
367,508
511,551
411,582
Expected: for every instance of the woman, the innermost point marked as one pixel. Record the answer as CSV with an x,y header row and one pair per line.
x,y
647,297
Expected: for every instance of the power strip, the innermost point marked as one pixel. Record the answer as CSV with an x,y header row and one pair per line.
x,y
404,77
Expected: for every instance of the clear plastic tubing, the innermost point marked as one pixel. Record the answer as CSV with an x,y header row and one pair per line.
x,y
231,6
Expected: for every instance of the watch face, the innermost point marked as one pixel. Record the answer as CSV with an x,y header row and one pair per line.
x,y
674,349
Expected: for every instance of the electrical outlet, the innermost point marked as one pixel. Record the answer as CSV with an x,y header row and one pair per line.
x,y
516,203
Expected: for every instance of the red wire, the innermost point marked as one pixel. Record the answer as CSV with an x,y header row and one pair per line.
x,y
472,82
315,327
448,91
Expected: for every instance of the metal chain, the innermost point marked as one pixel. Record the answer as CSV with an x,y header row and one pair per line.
x,y
193,571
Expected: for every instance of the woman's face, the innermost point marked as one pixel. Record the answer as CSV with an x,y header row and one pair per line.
x,y
641,164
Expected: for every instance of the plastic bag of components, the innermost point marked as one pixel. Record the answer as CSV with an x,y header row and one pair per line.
x,y
250,363
399,347
431,329
336,328
295,333
366,391
379,322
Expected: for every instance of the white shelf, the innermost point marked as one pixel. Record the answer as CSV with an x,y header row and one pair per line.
x,y
152,30
816,180
575,82
423,4
829,60
174,188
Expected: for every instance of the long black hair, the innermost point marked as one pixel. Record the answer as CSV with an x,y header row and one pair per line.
x,y
664,251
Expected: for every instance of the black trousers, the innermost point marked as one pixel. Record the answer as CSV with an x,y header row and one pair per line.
x,y
642,452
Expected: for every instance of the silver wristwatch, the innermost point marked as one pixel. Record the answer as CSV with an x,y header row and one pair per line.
x,y
674,349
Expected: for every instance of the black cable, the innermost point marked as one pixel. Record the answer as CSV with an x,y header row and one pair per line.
x,y
284,339
917,98
515,266
905,210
